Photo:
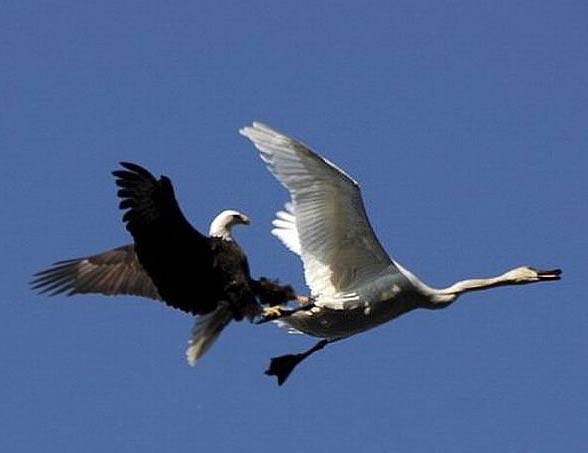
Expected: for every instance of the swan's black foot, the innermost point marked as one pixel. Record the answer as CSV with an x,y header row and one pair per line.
x,y
282,366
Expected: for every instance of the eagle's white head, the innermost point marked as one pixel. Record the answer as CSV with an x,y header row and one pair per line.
x,y
223,223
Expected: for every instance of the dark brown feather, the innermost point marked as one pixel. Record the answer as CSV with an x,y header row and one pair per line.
x,y
116,271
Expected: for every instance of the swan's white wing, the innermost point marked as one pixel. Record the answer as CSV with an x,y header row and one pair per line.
x,y
285,228
332,234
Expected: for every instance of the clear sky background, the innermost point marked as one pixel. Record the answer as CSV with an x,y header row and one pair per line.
x,y
466,124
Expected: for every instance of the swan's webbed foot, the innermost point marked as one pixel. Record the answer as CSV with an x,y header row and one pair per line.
x,y
282,366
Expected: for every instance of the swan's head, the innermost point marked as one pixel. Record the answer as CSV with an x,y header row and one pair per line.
x,y
526,274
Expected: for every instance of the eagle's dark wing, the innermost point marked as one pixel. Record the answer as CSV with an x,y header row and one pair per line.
x,y
178,258
113,272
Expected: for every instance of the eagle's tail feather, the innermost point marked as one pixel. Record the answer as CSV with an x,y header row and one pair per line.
x,y
205,332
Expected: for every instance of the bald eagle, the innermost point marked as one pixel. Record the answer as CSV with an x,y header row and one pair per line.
x,y
171,261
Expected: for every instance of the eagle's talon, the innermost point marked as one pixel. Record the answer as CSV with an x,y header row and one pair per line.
x,y
303,300
272,312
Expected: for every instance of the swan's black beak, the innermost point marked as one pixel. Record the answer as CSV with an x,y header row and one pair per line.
x,y
553,274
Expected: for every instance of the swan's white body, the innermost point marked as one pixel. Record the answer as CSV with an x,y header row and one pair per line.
x,y
356,285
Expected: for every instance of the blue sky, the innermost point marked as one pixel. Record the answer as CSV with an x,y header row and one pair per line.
x,y
465,123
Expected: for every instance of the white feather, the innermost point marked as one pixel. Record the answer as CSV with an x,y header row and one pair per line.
x,y
330,230
205,332
285,228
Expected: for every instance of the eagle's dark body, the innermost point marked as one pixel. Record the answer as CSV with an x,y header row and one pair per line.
x,y
191,271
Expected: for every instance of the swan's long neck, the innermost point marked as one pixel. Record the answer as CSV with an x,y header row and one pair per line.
x,y
517,276
476,284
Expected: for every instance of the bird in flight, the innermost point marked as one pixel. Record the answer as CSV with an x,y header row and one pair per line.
x,y
354,283
171,261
